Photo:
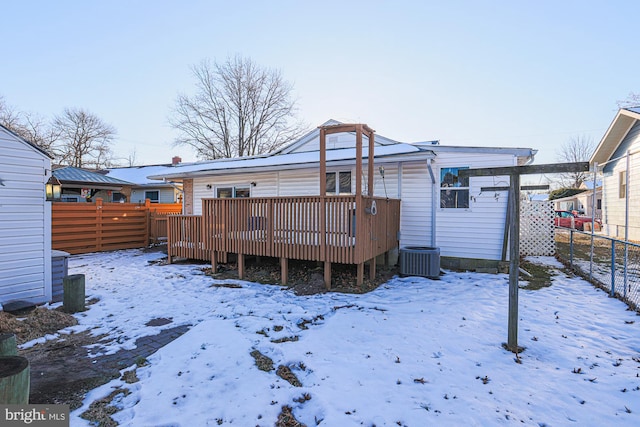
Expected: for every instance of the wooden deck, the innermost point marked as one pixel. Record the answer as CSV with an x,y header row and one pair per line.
x,y
330,229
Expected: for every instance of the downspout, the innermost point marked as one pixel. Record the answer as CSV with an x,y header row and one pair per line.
x,y
433,204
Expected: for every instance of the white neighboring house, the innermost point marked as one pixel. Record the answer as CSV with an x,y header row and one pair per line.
x,y
437,208
618,156
25,221
582,202
145,188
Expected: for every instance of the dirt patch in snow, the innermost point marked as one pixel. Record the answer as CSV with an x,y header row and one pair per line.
x,y
305,277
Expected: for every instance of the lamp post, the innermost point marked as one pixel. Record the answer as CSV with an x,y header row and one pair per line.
x,y
53,189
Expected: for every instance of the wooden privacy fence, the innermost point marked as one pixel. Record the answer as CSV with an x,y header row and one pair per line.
x,y
93,227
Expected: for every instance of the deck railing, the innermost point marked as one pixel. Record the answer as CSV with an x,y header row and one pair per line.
x,y
341,229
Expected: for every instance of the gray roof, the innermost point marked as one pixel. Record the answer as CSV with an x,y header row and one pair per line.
x,y
70,174
634,109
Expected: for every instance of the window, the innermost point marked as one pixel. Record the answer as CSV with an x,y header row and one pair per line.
x,y
599,204
153,196
232,192
118,197
338,182
622,187
454,191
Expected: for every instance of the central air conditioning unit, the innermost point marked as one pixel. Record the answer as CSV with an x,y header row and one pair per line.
x,y
420,261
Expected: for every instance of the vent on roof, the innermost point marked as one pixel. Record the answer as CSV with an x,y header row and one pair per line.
x,y
420,261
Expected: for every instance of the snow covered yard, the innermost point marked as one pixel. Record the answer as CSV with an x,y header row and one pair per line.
x,y
414,352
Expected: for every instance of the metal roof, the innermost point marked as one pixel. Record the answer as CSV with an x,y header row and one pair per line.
x,y
70,174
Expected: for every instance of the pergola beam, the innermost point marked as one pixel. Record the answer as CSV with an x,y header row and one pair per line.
x,y
514,173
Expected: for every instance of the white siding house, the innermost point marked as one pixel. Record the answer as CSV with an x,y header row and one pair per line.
x,y
142,188
618,156
437,210
25,221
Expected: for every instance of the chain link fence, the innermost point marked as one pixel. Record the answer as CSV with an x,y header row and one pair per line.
x,y
612,264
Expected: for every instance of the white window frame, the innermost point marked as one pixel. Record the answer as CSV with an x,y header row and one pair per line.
x,y
454,188
234,190
146,192
336,189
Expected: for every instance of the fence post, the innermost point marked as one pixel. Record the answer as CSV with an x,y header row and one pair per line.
x,y
147,234
626,263
571,248
613,268
99,224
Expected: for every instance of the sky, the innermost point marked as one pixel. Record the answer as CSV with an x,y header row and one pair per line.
x,y
492,73
414,352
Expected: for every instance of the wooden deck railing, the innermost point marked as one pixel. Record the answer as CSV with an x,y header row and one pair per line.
x,y
340,229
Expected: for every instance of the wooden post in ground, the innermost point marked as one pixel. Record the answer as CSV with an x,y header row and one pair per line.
x,y
327,274
214,261
372,268
241,266
8,346
284,270
73,293
14,380
360,274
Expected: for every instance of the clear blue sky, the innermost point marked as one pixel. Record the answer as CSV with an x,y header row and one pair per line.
x,y
486,73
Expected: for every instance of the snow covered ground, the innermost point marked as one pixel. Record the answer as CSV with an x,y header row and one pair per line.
x,y
415,352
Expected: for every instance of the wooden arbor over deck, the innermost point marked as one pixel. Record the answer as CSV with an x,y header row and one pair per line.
x,y
350,229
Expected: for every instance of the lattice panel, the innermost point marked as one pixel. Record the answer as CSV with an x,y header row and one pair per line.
x,y
536,229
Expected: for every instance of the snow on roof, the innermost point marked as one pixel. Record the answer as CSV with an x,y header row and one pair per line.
x,y
278,161
139,174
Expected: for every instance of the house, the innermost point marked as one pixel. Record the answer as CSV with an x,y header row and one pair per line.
x,y
80,185
437,208
582,202
618,156
143,188
25,221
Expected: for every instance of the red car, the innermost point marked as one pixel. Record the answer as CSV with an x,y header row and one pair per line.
x,y
570,220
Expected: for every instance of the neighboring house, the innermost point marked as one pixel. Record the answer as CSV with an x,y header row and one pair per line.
x,y
582,202
618,156
25,221
80,185
437,208
144,188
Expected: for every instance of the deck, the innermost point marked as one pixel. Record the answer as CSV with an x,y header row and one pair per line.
x,y
331,229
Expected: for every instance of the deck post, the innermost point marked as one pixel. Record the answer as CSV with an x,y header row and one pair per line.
x,y
214,261
360,274
241,266
284,270
372,268
327,274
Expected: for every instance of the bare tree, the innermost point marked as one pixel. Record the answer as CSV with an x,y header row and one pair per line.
x,y
576,149
30,126
239,109
9,116
84,139
632,100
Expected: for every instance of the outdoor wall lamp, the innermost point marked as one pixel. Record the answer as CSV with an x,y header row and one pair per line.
x,y
208,186
253,183
53,189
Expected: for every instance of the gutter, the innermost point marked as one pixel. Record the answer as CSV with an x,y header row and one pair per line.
x,y
433,203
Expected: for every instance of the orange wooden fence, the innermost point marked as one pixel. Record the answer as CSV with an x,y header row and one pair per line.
x,y
93,227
